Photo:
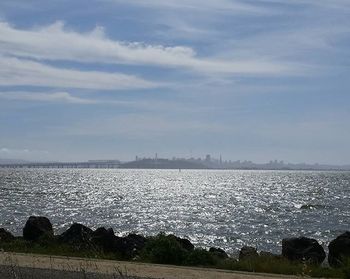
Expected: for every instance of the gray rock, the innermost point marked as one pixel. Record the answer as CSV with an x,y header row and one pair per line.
x,y
303,249
6,236
37,227
77,234
339,250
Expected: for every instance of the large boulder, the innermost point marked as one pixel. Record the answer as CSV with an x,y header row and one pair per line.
x,y
248,253
339,250
77,234
37,227
218,252
5,236
104,238
303,249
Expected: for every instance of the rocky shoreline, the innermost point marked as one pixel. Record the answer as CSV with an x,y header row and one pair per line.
x,y
171,249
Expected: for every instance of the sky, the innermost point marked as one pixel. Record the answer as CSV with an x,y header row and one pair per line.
x,y
110,79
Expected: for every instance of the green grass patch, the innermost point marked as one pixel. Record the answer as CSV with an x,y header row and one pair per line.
x,y
55,248
281,266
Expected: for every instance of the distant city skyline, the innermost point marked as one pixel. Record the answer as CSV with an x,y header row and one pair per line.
x,y
255,80
175,163
207,159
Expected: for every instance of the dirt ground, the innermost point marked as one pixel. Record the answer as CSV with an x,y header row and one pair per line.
x,y
89,268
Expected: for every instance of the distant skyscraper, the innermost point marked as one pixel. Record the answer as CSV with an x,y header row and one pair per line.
x,y
207,158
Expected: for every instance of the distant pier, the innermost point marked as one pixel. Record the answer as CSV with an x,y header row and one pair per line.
x,y
68,165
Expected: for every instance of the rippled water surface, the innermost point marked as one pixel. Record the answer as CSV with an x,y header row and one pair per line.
x,y
227,209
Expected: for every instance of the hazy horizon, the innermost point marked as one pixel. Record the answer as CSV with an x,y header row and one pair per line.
x,y
254,80
150,157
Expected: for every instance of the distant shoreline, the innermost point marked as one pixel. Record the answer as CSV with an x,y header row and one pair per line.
x,y
158,167
176,163
180,169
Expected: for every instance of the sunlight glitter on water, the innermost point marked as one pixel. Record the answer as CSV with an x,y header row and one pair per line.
x,y
227,209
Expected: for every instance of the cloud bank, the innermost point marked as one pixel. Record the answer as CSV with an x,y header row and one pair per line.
x,y
54,43
222,6
20,72
55,97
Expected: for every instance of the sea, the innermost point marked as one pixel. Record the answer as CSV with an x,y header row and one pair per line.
x,y
212,208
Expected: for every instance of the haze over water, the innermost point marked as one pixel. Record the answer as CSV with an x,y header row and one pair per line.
x,y
226,209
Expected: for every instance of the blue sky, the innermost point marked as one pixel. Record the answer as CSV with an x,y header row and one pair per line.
x,y
104,79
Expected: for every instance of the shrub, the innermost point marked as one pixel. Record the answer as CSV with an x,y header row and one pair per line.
x,y
163,249
200,257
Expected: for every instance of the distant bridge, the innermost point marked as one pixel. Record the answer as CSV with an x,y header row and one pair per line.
x,y
69,165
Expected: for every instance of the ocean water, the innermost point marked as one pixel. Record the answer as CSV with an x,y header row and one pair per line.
x,y
227,209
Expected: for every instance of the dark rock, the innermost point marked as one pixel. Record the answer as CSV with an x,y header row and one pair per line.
x,y
137,241
37,227
131,245
185,243
77,234
339,250
6,236
248,253
303,249
218,252
105,239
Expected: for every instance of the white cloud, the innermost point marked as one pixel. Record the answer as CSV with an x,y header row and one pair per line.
x,y
68,98
334,4
54,42
15,72
227,6
56,97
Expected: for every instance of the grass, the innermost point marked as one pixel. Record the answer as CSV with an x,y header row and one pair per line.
x,y
53,247
162,249
281,266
